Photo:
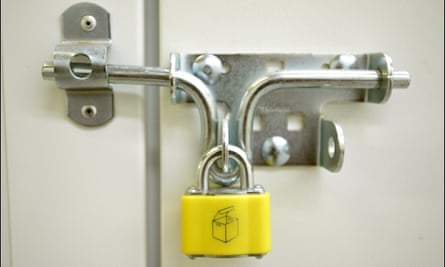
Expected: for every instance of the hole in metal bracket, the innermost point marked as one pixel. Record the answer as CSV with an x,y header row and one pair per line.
x,y
257,123
81,66
331,147
295,122
273,66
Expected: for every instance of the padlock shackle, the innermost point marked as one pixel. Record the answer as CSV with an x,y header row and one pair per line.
x,y
236,153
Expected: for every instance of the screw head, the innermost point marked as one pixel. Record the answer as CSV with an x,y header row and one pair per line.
x,y
343,62
89,111
88,23
276,151
209,68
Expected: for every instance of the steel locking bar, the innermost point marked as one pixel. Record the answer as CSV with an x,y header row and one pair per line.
x,y
152,76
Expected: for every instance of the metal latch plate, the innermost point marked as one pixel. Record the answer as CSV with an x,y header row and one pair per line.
x,y
289,118
80,64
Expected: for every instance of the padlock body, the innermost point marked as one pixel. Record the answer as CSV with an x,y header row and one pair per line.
x,y
226,225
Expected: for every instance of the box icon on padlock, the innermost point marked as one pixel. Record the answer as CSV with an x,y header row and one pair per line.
x,y
225,227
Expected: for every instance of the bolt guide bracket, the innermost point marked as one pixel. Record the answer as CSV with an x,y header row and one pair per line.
x,y
267,107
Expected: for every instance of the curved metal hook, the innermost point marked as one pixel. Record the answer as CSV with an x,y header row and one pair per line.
x,y
203,98
356,79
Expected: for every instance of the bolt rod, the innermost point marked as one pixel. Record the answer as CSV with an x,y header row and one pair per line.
x,y
359,79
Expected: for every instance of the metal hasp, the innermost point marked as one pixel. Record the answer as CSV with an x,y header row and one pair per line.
x,y
274,101
79,64
269,105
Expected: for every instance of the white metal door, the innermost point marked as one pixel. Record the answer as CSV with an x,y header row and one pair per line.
x,y
76,195
385,207
73,196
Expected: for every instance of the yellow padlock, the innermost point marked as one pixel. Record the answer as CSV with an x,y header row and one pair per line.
x,y
225,222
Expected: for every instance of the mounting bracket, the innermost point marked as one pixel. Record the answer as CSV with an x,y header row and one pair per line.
x,y
80,64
